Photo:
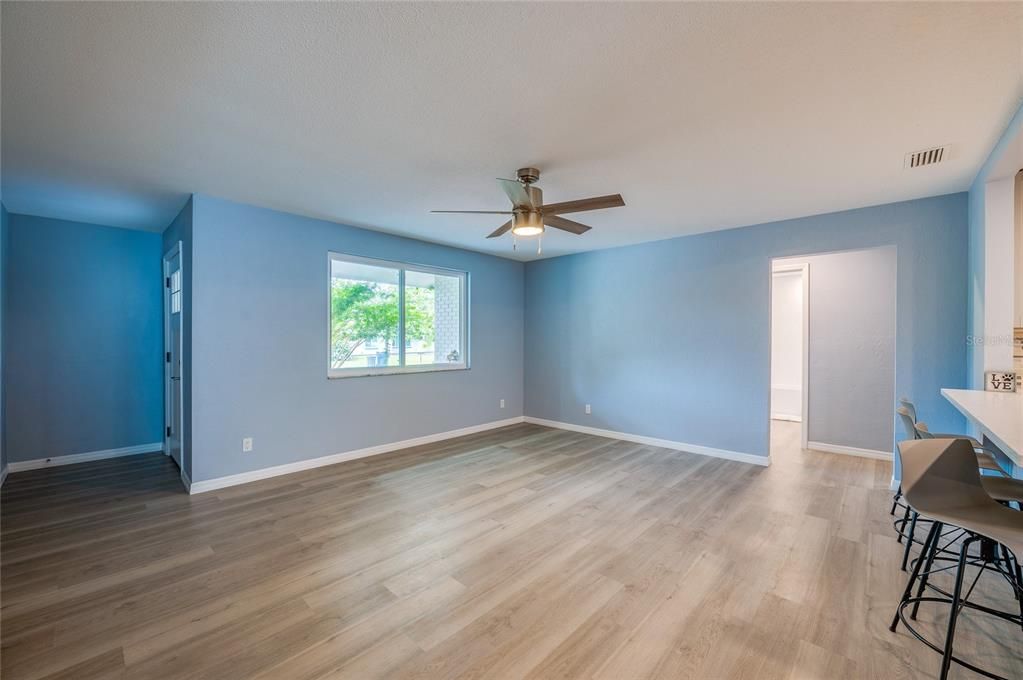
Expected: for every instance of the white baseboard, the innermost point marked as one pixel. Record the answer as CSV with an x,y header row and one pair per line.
x,y
186,480
205,485
849,450
3,475
786,416
22,465
653,441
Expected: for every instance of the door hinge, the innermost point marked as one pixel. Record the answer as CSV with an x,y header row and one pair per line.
x,y
168,357
166,282
168,430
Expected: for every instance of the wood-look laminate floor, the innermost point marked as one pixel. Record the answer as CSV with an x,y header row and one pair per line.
x,y
522,552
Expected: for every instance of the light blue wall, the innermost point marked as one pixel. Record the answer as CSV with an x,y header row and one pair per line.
x,y
83,338
3,314
181,230
259,344
671,339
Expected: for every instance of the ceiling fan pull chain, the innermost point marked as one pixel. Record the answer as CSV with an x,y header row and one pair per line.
x,y
539,245
515,241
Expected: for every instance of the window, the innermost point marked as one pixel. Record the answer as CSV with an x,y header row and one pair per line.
x,y
175,291
391,317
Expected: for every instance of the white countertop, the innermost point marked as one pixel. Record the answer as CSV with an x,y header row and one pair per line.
x,y
998,415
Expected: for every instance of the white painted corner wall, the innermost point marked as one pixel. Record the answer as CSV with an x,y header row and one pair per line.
x,y
999,253
787,342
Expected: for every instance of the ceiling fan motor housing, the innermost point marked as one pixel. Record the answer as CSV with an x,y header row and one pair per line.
x,y
528,175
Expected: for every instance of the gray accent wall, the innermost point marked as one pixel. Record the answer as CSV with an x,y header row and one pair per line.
x,y
260,335
82,338
852,348
671,339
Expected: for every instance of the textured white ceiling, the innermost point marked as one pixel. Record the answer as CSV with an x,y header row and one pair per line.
x,y
703,116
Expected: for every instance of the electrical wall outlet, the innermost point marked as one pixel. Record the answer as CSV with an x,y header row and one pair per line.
x,y
247,444
587,409
502,403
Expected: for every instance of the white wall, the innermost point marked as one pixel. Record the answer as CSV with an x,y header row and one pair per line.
x,y
1018,246
999,254
991,256
787,346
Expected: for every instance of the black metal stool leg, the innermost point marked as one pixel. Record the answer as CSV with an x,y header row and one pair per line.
x,y
946,659
895,501
1017,575
932,537
927,568
905,519
1019,590
909,540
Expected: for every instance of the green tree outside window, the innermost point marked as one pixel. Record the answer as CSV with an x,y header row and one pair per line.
x,y
362,312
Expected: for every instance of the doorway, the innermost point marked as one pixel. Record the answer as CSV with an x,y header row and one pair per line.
x,y
173,334
790,330
845,344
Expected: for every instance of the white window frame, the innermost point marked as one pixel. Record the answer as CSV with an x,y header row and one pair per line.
x,y
402,268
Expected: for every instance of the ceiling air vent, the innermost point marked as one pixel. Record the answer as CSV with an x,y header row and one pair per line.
x,y
919,159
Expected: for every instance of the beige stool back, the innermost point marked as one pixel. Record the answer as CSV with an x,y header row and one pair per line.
x,y
910,408
940,480
908,422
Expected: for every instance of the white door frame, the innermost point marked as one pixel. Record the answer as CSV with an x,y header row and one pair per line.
x,y
168,384
804,269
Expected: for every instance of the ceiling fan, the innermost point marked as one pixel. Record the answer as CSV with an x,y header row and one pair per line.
x,y
529,214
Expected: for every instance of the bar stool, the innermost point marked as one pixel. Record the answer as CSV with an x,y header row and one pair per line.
x,y
985,460
942,482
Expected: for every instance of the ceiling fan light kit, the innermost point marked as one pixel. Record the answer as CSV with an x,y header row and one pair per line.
x,y
530,216
527,223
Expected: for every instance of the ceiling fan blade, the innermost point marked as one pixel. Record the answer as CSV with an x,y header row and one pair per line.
x,y
474,212
565,225
612,201
501,230
518,193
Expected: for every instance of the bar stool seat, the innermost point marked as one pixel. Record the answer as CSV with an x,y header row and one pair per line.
x,y
997,522
985,459
1004,489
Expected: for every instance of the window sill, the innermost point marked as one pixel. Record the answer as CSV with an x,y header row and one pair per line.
x,y
341,373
